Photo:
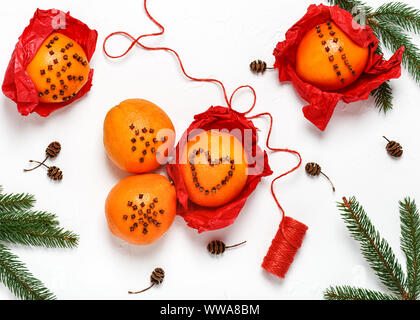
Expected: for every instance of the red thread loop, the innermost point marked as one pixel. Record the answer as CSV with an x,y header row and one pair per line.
x,y
137,41
254,94
291,232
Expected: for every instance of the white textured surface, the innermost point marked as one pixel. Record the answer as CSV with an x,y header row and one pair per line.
x,y
215,39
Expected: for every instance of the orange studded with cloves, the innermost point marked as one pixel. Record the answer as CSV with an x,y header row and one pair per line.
x,y
214,168
140,209
138,135
329,59
59,69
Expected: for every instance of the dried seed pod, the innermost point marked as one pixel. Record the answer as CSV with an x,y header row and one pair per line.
x,y
156,278
53,173
259,66
314,169
52,151
217,247
393,148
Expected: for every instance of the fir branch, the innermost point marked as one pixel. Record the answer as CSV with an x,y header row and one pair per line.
x,y
410,245
33,219
376,250
378,48
38,235
382,94
15,202
383,97
393,38
352,293
348,5
15,276
400,14
32,228
388,23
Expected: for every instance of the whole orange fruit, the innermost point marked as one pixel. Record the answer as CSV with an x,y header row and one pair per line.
x,y
59,69
137,135
214,168
140,209
329,59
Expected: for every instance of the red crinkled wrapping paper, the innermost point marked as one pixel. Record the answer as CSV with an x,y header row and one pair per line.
x,y
322,103
17,84
205,218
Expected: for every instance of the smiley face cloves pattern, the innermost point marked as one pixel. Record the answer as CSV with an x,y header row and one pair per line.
x,y
147,138
341,54
62,71
223,160
143,214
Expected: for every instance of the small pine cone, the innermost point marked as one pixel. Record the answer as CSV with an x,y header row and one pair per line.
x,y
313,169
53,149
258,66
216,247
157,276
55,173
394,149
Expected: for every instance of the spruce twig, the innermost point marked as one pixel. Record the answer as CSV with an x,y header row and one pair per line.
x,y
393,37
15,276
375,249
378,48
383,94
352,293
348,5
400,14
410,245
390,22
16,202
383,97
36,236
32,228
34,219
379,254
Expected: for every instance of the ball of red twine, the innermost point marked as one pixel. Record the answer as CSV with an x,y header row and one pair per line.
x,y
284,246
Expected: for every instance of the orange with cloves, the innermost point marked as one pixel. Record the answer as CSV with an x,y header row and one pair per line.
x,y
214,168
59,69
138,135
141,208
329,59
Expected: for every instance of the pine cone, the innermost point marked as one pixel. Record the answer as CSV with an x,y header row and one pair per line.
x,y
393,148
53,149
313,169
157,276
216,247
55,173
258,66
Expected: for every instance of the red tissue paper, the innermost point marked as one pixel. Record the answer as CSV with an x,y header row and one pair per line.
x,y
17,84
322,103
205,218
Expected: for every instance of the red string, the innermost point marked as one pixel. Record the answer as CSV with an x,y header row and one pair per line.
x,y
162,30
254,94
289,237
291,232
275,150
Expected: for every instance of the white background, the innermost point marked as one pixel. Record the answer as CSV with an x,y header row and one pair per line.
x,y
215,39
